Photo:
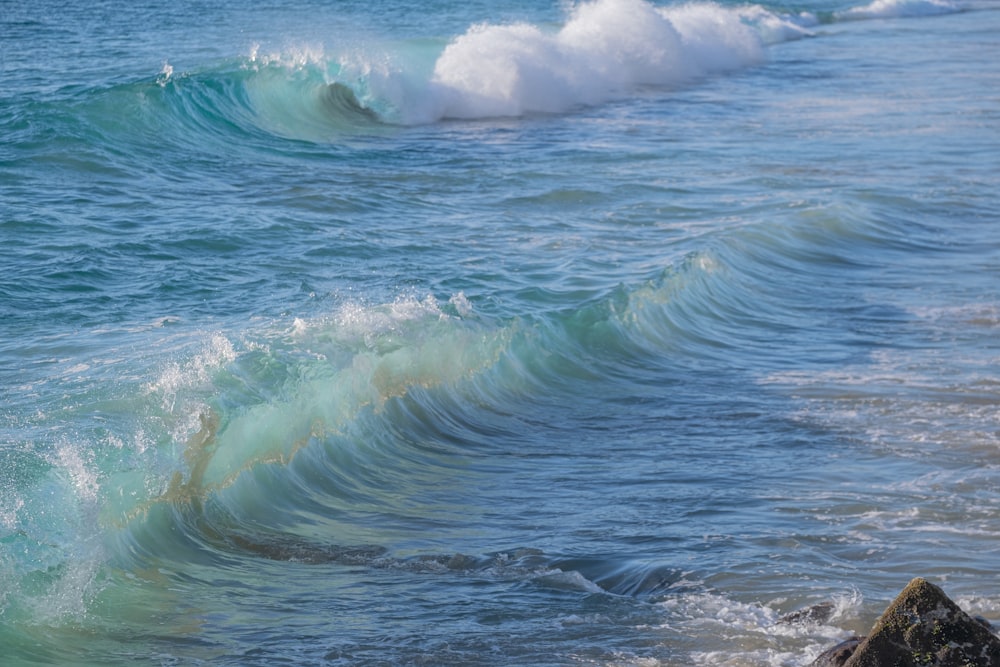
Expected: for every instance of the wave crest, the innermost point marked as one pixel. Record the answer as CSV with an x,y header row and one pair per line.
x,y
607,48
881,9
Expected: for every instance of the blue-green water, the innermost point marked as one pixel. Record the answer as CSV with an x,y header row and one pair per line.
x,y
519,333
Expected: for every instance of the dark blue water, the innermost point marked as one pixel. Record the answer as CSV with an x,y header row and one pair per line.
x,y
519,334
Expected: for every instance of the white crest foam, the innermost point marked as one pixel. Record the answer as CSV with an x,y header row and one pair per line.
x,y
606,49
899,9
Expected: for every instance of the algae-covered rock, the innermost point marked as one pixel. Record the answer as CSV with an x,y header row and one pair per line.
x,y
924,628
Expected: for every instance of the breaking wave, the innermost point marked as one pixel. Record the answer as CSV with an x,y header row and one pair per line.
x,y
605,50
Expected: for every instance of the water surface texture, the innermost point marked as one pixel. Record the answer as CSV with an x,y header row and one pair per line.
x,y
493,333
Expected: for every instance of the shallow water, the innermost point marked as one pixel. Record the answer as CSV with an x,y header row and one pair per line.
x,y
520,334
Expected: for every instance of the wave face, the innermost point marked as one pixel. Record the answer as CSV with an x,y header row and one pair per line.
x,y
527,333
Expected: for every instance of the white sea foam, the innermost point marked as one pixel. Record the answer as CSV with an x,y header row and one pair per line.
x,y
10,506
762,638
776,28
166,72
217,351
899,9
80,472
360,321
461,304
606,49
61,529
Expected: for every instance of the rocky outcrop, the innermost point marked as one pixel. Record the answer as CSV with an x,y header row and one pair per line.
x,y
921,628
839,654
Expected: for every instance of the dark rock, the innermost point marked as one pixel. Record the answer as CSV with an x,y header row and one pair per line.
x,y
817,613
838,655
924,628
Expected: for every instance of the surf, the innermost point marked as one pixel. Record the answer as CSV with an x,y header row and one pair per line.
x,y
602,51
546,394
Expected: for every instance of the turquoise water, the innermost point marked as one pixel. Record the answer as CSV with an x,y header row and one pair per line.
x,y
495,334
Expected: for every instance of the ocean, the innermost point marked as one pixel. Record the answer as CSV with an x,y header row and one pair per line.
x,y
527,332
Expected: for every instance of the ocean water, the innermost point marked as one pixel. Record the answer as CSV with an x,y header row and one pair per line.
x,y
514,333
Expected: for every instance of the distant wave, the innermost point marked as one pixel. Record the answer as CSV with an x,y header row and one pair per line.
x,y
606,49
899,9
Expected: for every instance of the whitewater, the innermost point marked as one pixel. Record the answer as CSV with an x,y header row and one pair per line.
x,y
519,333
